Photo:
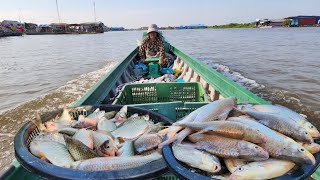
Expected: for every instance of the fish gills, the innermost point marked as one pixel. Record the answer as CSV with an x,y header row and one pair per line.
x,y
234,164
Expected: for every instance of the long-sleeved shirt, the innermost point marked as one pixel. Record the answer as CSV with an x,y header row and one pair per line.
x,y
150,48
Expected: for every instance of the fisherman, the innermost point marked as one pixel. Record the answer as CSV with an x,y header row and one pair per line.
x,y
153,46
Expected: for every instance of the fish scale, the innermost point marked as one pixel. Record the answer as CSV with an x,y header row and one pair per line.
x,y
78,150
311,129
281,124
229,129
115,163
227,147
278,145
85,137
55,152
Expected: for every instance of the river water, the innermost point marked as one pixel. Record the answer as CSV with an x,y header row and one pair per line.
x,y
42,73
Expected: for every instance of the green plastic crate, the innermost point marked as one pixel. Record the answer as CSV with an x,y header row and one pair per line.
x,y
161,92
172,110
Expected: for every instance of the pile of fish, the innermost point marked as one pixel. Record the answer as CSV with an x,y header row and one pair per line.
x,y
254,141
99,141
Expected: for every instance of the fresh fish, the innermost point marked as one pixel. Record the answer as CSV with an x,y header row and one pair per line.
x,y
115,163
268,169
85,136
54,152
106,149
228,148
147,142
38,122
278,145
106,125
68,131
65,118
155,128
229,129
311,129
313,148
196,158
127,149
234,164
121,116
56,137
281,124
217,110
110,115
221,177
85,122
78,150
99,138
174,129
97,115
131,129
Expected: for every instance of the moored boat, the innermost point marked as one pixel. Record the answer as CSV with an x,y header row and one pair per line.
x,y
215,85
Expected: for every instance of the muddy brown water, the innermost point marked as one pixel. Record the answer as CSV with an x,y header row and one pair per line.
x,y
42,73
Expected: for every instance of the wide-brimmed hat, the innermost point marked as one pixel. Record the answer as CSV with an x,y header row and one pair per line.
x,y
153,28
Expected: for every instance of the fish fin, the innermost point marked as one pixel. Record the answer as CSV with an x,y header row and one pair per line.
x,y
223,116
182,135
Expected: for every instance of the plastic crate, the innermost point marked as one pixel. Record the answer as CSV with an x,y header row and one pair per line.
x,y
161,92
172,110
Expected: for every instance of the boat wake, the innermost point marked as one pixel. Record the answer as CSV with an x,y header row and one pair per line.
x,y
12,120
273,95
237,77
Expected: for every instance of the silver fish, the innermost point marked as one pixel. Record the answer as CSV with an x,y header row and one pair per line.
x,y
268,169
115,163
278,145
196,158
55,152
284,111
281,124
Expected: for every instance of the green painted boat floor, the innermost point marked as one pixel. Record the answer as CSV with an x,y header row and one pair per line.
x,y
21,173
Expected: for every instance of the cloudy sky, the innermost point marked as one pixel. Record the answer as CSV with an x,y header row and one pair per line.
x,y
137,13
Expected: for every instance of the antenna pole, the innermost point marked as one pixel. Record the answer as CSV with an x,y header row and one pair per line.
x,y
94,10
58,11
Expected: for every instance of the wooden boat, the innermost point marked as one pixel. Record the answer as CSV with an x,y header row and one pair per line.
x,y
215,85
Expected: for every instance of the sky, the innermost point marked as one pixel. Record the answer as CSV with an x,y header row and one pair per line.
x,y
138,13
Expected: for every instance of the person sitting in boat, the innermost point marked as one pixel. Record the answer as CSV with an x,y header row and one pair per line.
x,y
153,46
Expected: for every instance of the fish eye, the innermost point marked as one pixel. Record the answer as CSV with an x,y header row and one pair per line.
x,y
256,147
301,150
240,168
108,146
311,127
306,133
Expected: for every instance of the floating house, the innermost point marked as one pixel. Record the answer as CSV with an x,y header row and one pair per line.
x,y
269,23
92,27
304,21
